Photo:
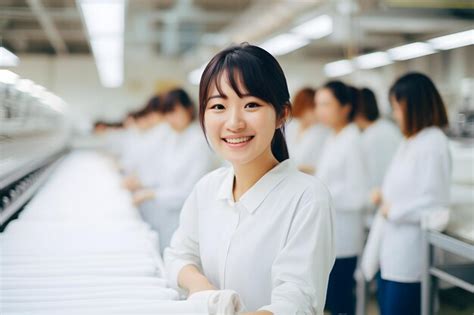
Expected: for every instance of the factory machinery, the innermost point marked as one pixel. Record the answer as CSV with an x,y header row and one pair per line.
x,y
71,240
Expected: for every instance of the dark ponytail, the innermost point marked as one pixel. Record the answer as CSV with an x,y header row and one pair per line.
x,y
261,76
279,147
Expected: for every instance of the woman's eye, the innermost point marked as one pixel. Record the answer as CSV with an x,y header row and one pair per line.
x,y
252,105
217,106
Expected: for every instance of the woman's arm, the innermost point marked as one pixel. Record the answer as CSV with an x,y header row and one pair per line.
x,y
192,280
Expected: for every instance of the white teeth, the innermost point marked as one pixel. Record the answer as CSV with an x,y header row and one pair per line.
x,y
238,140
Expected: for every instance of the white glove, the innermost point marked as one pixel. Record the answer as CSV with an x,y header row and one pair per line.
x,y
220,302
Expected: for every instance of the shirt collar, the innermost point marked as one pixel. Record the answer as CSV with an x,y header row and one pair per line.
x,y
260,190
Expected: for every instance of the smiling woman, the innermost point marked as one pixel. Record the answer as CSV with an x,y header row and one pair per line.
x,y
260,228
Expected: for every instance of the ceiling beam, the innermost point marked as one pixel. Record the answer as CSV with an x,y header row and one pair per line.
x,y
48,26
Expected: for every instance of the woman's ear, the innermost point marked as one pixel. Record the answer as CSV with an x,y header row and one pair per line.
x,y
285,116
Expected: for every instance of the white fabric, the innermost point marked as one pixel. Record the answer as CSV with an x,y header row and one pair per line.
x,y
81,245
418,181
380,142
342,168
220,302
274,246
370,263
305,148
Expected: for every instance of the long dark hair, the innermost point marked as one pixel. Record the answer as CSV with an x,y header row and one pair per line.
x,y
261,76
422,105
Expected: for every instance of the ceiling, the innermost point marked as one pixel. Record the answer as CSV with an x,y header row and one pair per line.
x,y
184,27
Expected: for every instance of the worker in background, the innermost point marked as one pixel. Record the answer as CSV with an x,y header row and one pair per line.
x,y
148,146
304,135
184,157
342,168
417,184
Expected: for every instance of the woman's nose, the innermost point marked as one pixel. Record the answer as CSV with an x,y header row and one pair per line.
x,y
235,121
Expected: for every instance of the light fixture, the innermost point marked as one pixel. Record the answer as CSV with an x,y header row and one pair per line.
x,y
338,68
373,60
105,23
315,28
410,51
453,40
284,43
7,58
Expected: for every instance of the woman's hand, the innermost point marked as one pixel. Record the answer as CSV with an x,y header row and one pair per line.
x,y
376,196
142,195
191,279
131,183
385,209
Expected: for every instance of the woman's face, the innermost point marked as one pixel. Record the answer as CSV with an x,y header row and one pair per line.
x,y
329,110
240,129
179,119
308,117
397,112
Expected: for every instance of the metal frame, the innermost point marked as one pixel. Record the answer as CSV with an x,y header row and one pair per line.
x,y
457,275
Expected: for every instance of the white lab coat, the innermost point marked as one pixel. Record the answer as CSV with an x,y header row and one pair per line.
x,y
380,141
185,158
305,148
140,147
274,246
342,168
418,181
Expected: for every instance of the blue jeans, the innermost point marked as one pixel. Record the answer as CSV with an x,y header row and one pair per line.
x,y
340,298
398,297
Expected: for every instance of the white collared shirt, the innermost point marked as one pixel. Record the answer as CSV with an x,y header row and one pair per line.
x,y
342,168
380,142
417,181
305,148
274,246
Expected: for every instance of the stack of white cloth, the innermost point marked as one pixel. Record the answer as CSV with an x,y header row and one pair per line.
x,y
81,247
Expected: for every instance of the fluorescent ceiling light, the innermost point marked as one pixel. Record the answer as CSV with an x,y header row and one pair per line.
x,y
7,58
8,77
105,23
316,28
454,40
104,18
338,68
107,48
194,76
284,43
373,60
411,51
110,71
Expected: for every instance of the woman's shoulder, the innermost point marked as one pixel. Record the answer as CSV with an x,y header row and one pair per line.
x,y
214,178
310,188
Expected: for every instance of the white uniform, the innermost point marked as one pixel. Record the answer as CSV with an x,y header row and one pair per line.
x,y
380,141
274,246
342,168
185,158
418,180
305,148
151,151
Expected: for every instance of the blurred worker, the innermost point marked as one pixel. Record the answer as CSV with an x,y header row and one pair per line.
x,y
305,137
